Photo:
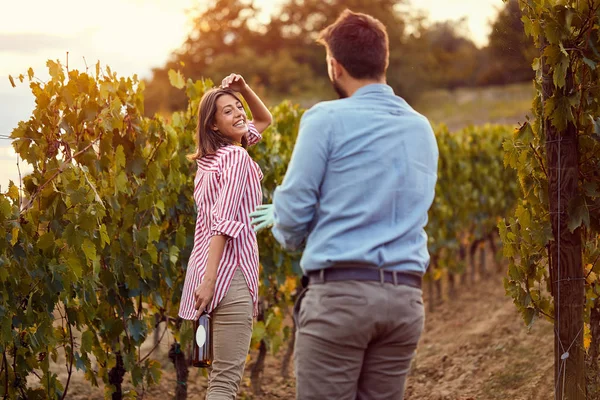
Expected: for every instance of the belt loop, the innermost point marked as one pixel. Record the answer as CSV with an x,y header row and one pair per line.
x,y
381,276
395,277
322,275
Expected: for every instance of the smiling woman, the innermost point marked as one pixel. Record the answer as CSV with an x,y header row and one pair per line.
x,y
222,273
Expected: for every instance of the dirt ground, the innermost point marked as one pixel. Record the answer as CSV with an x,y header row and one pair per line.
x,y
475,347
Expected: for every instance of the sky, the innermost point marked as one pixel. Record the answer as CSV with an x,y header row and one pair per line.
x,y
132,37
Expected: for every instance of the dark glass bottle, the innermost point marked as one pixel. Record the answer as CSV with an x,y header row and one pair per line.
x,y
202,356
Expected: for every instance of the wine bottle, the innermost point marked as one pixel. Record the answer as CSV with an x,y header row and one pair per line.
x,y
202,356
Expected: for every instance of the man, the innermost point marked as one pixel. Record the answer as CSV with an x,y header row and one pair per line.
x,y
356,194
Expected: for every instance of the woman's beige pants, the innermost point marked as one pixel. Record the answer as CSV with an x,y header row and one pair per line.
x,y
232,331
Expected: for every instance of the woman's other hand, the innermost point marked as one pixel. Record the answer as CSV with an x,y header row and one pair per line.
x,y
203,295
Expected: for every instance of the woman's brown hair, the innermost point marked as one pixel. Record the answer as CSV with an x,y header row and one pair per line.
x,y
208,141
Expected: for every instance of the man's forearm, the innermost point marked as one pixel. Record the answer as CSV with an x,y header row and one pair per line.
x,y
295,200
289,240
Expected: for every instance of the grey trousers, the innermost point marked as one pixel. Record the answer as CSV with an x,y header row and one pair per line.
x,y
356,340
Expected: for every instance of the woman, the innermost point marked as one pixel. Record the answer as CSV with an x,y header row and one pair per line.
x,y
222,273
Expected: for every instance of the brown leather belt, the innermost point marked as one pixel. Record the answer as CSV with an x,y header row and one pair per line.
x,y
343,273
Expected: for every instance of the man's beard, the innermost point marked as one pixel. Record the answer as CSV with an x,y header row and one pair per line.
x,y
338,89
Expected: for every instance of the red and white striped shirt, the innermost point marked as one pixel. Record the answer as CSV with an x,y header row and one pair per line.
x,y
227,189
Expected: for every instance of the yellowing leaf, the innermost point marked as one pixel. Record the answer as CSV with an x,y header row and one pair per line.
x,y
120,157
87,340
155,371
74,265
104,234
15,236
121,182
151,249
289,286
13,192
176,79
55,69
259,332
153,233
587,336
560,72
161,206
5,207
89,249
46,241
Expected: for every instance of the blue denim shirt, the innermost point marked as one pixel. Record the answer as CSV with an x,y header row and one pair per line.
x,y
359,184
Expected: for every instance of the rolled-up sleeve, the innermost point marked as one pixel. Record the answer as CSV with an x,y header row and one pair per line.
x,y
295,201
234,177
253,135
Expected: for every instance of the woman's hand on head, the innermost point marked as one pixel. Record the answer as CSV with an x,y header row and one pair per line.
x,y
234,82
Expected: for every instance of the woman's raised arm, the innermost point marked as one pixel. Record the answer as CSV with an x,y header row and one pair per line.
x,y
261,117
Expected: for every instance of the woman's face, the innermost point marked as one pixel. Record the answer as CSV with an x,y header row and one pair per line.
x,y
230,118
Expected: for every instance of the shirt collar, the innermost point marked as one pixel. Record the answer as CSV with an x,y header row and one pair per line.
x,y
374,88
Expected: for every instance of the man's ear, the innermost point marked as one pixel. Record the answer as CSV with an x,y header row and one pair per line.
x,y
336,68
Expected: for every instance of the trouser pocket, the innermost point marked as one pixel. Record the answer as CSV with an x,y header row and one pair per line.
x,y
298,304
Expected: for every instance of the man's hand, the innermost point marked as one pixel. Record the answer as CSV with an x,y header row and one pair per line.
x,y
263,217
234,82
203,295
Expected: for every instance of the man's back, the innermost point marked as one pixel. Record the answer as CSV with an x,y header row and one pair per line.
x,y
379,172
357,190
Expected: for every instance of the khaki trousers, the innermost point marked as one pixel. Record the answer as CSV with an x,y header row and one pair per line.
x,y
232,331
356,340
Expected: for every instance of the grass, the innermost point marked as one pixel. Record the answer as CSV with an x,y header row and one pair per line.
x,y
477,106
457,108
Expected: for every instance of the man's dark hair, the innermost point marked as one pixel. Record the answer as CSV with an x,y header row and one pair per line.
x,y
359,42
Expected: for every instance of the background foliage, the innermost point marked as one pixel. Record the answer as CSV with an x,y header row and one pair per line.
x,y
281,54
98,236
566,130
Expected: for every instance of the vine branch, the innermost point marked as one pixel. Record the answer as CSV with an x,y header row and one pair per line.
x,y
61,169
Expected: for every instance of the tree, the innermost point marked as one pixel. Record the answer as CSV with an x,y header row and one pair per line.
x,y
510,51
221,29
553,239
441,56
279,58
